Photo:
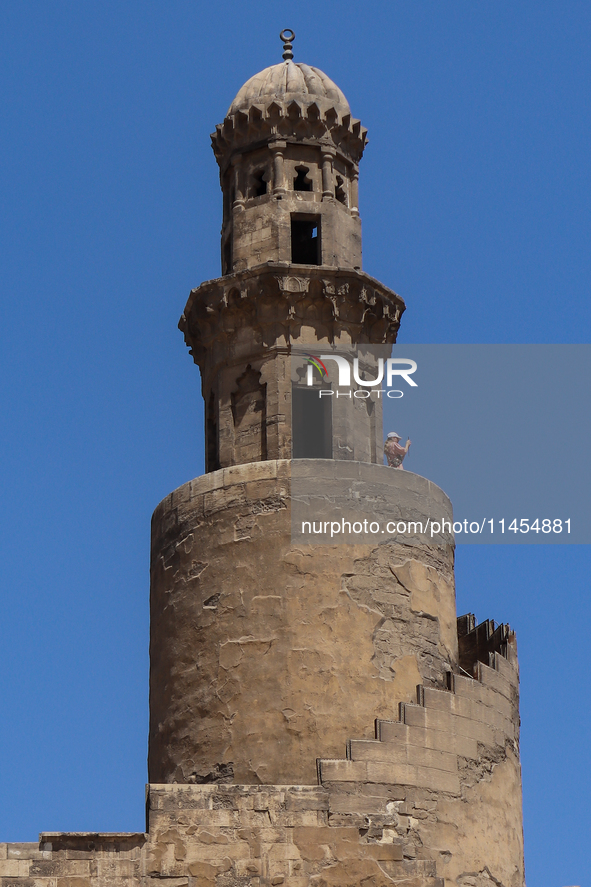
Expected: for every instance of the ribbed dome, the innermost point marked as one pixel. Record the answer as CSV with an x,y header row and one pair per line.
x,y
285,82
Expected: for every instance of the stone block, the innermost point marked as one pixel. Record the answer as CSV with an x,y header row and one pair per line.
x,y
292,819
342,771
307,802
487,695
205,872
507,669
26,851
469,687
313,843
158,882
224,498
392,731
492,678
357,803
464,707
416,715
392,752
442,700
211,853
112,867
248,867
276,852
381,851
453,743
405,774
262,835
198,817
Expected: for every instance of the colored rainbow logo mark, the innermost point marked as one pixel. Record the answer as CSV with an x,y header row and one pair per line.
x,y
316,362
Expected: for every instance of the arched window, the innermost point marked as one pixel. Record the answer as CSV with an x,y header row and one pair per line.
x,y
259,183
340,191
302,181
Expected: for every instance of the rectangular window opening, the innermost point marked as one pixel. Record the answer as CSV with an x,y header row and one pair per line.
x,y
227,256
305,240
311,424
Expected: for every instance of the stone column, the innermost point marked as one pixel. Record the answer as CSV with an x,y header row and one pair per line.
x,y
355,193
277,149
238,183
327,182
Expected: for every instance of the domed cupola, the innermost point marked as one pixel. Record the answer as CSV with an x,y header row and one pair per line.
x,y
289,136
289,82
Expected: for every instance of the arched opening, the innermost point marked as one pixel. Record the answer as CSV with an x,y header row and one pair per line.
x,y
259,184
302,181
340,191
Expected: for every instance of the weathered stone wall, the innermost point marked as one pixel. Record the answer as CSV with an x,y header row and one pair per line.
x,y
62,859
267,655
243,329
429,802
455,758
261,232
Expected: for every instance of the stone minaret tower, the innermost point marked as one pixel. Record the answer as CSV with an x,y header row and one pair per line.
x,y
340,672
318,715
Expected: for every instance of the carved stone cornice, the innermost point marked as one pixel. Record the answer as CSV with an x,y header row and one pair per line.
x,y
279,304
317,123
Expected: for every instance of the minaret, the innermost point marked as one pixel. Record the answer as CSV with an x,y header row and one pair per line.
x,y
277,664
288,152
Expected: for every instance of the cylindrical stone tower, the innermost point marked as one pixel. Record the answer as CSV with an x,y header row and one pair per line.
x,y
274,663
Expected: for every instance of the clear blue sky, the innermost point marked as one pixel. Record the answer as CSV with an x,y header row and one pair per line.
x,y
475,203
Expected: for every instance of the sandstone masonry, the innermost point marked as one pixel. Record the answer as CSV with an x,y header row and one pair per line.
x,y
319,717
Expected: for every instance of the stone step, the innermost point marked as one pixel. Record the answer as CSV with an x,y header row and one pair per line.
x,y
384,773
401,753
464,707
442,740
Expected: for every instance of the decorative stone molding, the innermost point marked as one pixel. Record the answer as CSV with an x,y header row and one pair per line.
x,y
294,284
278,306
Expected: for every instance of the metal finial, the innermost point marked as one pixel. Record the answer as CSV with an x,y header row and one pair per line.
x,y
287,36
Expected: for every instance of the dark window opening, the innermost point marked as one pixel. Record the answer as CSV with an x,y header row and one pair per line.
x,y
302,181
305,242
340,192
259,185
371,412
211,426
311,424
227,256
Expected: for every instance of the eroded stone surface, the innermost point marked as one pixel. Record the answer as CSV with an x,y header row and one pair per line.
x,y
267,658
355,833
